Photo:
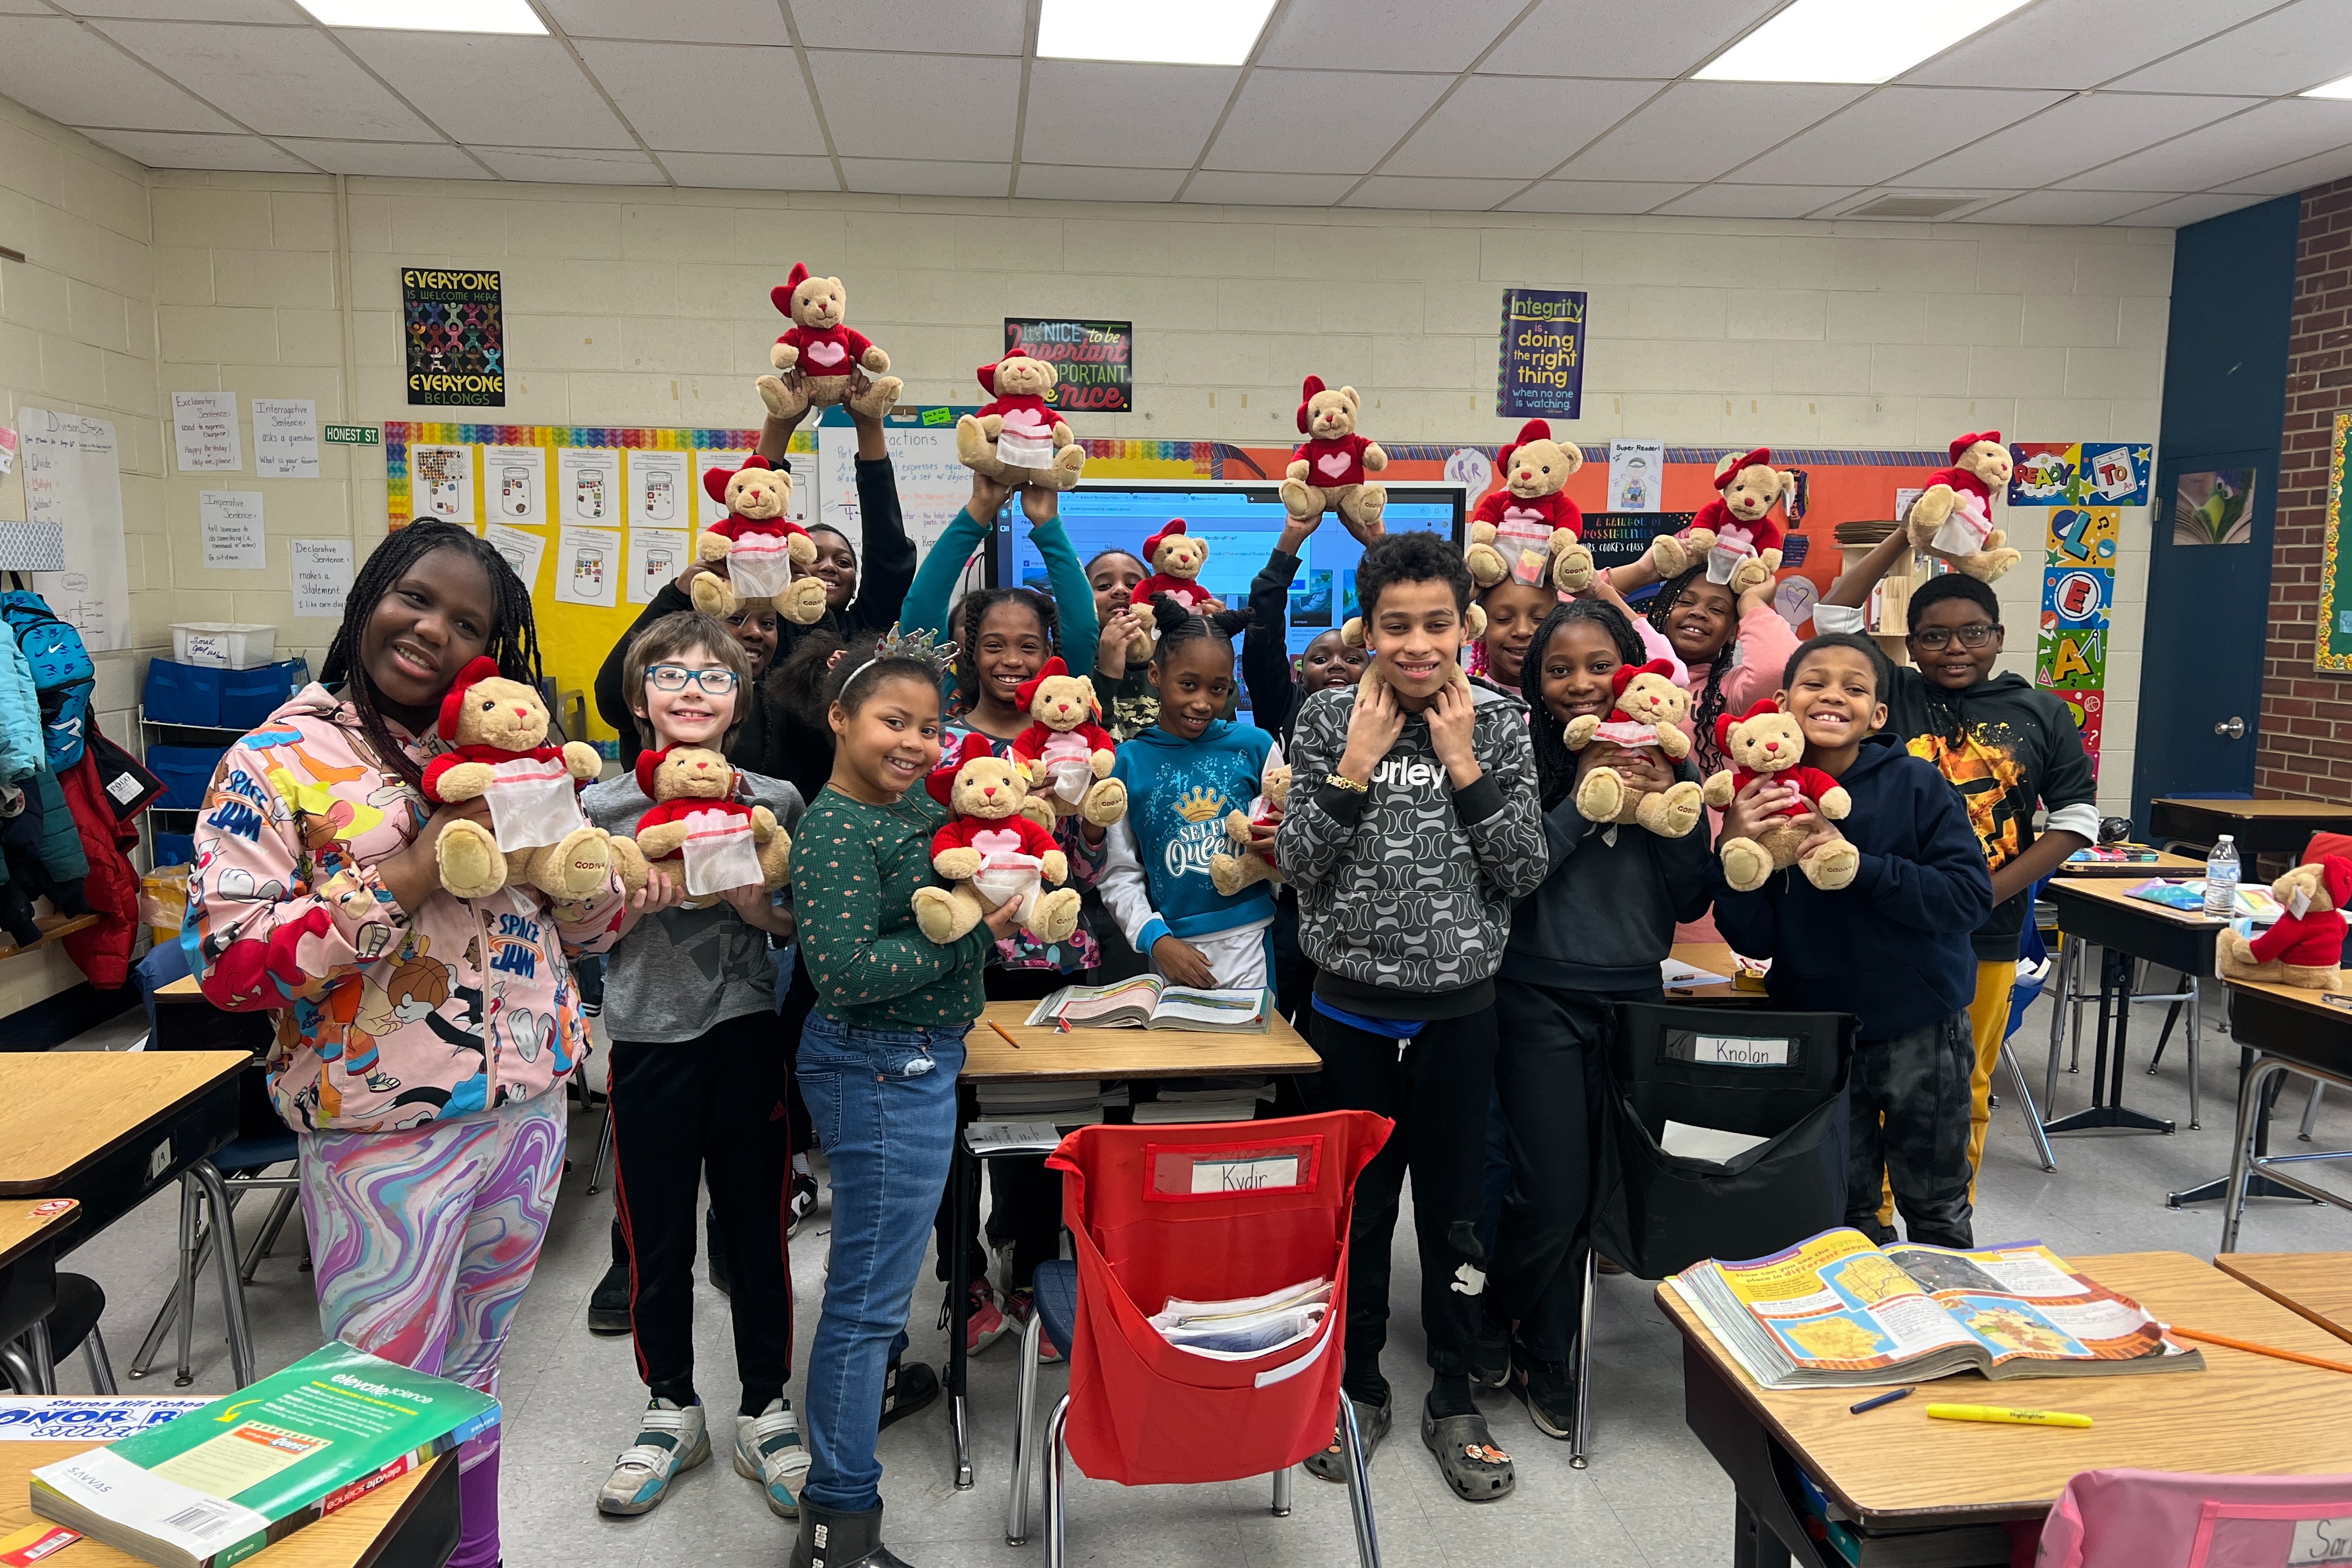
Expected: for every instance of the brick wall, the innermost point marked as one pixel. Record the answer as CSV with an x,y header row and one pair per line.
x,y
2306,722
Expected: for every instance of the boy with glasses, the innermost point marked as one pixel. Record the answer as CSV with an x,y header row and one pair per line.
x,y
2006,747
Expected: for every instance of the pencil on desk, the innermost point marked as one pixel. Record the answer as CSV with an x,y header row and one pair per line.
x,y
1002,1035
2251,1347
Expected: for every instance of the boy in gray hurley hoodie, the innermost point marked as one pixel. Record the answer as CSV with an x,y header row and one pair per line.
x,y
1412,829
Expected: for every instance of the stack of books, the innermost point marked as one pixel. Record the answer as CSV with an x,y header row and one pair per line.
x,y
1210,1100
1247,1327
1074,1102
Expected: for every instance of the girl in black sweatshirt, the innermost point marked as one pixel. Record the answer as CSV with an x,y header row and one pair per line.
x,y
1591,935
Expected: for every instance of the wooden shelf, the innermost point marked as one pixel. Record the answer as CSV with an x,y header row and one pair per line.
x,y
52,928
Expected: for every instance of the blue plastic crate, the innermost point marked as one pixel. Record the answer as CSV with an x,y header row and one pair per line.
x,y
175,850
248,696
186,772
184,693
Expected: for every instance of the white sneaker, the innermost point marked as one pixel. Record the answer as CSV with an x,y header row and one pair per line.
x,y
769,1450
670,1441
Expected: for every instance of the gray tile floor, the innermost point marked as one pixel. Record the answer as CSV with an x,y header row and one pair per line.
x,y
1651,1494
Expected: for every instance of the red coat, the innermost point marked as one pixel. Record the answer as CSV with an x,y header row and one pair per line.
x,y
817,349
1554,511
1030,744
1330,464
1813,783
684,806
438,768
111,887
1185,591
1716,517
2314,941
961,831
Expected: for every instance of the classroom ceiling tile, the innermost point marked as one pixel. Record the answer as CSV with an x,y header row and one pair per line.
x,y
1267,190
1757,201
750,172
674,21
915,106
267,11
292,81
1514,127
1413,193
182,149
1384,34
413,160
1696,130
2060,207
24,9
746,98
930,26
2075,135
923,177
1138,116
75,76
1595,197
2182,211
597,168
1320,122
2079,43
1610,39
2290,49
1893,129
1059,183
2261,137
495,88
2325,169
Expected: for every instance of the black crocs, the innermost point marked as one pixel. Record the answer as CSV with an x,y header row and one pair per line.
x,y
1371,1425
1466,1456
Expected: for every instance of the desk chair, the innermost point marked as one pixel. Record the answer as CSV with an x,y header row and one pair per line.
x,y
2156,1519
71,1324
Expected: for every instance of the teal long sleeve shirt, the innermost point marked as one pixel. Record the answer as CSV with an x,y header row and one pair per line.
x,y
1073,597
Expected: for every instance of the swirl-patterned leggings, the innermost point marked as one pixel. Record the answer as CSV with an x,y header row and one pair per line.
x,y
421,1243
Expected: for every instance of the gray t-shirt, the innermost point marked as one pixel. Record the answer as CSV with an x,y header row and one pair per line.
x,y
682,973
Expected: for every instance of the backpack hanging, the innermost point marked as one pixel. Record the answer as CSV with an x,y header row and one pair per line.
x,y
63,675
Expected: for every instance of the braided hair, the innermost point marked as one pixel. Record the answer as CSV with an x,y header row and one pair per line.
x,y
971,610
1179,625
513,637
1706,706
1546,732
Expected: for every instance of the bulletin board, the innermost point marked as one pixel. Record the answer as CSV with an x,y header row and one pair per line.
x,y
2333,651
595,518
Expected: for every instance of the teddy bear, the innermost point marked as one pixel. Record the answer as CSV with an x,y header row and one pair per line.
x,y
823,351
1068,752
1650,712
1764,739
990,853
684,782
762,547
1352,635
1016,438
2304,949
1734,533
1953,517
1328,469
1525,525
1231,873
498,730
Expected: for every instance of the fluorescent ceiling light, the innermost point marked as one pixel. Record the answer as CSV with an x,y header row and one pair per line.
x,y
1163,32
1852,40
429,16
2340,88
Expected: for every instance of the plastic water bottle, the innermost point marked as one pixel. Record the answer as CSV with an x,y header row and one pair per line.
x,y
2222,881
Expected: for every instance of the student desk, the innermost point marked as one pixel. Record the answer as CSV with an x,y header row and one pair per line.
x,y
2279,1029
1894,1469
2258,826
112,1130
29,1229
2100,910
1045,1054
410,1522
1716,958
2165,865
2316,1284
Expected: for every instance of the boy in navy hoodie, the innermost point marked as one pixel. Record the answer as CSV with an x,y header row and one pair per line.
x,y
1892,948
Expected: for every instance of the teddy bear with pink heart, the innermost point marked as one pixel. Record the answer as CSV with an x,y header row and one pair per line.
x,y
1329,469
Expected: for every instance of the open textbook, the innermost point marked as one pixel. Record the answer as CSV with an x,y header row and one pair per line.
x,y
1837,1312
1148,1002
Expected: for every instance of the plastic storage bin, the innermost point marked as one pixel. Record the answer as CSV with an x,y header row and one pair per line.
x,y
186,772
224,645
248,696
180,693
175,850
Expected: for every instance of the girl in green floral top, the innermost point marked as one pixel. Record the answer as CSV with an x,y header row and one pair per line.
x,y
879,1063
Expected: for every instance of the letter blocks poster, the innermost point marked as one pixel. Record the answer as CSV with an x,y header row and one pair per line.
x,y
2083,486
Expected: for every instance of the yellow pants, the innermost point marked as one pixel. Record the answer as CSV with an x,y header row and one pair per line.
x,y
1989,1022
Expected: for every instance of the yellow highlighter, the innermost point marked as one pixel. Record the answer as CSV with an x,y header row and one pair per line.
x,y
2011,1418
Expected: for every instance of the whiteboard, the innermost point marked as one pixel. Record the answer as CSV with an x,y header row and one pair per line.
x,y
73,483
932,485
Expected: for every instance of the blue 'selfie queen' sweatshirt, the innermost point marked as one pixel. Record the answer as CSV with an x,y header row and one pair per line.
x,y
1155,882
1894,948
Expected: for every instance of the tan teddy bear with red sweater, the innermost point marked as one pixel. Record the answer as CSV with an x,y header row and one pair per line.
x,y
1953,517
1328,469
766,554
1765,740
989,854
1525,526
498,729
823,351
1068,753
1017,438
2306,947
686,782
1649,715
1734,533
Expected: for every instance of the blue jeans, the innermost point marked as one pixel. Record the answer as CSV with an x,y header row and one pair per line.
x,y
884,1102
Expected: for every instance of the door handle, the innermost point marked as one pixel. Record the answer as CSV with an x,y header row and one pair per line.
x,y
2233,727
